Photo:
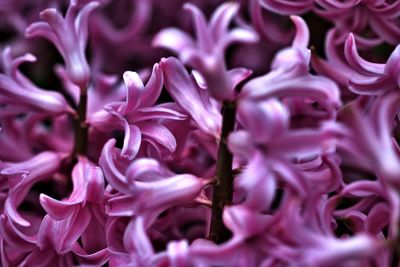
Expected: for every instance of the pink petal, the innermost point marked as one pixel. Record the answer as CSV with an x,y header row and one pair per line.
x,y
160,134
302,36
132,141
173,39
221,18
360,65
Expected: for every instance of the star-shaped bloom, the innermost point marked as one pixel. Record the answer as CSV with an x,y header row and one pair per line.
x,y
206,54
69,35
18,94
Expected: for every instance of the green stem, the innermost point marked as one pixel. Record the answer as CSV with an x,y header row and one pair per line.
x,y
223,190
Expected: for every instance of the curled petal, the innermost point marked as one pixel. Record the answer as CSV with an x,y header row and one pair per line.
x,y
287,7
135,88
184,92
112,174
241,143
259,184
364,67
265,121
69,35
144,169
136,239
243,222
58,210
31,171
314,87
173,39
221,18
204,38
132,141
302,36
153,87
160,134
178,252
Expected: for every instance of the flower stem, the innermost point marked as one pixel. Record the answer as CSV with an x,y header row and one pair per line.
x,y
223,190
80,126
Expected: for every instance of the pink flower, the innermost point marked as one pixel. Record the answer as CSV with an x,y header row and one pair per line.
x,y
206,54
184,89
69,35
289,76
371,78
356,16
19,94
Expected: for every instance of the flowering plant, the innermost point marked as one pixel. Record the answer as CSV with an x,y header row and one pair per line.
x,y
199,133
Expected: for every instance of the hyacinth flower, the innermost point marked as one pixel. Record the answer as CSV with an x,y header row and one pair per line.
x,y
284,239
81,215
69,35
371,216
335,65
145,185
206,54
369,144
196,101
369,137
371,78
19,94
277,145
22,176
357,16
289,76
139,116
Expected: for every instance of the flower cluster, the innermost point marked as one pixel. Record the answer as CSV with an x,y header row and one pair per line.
x,y
200,133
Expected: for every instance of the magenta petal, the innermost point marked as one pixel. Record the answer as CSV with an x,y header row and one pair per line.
x,y
302,33
160,134
184,92
378,218
259,184
265,120
241,143
136,239
116,179
40,167
132,141
178,253
98,258
82,22
153,87
173,39
72,229
243,222
286,7
135,89
95,190
125,205
144,169
364,67
393,64
170,191
203,36
58,210
238,75
363,189
221,19
314,87
336,251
